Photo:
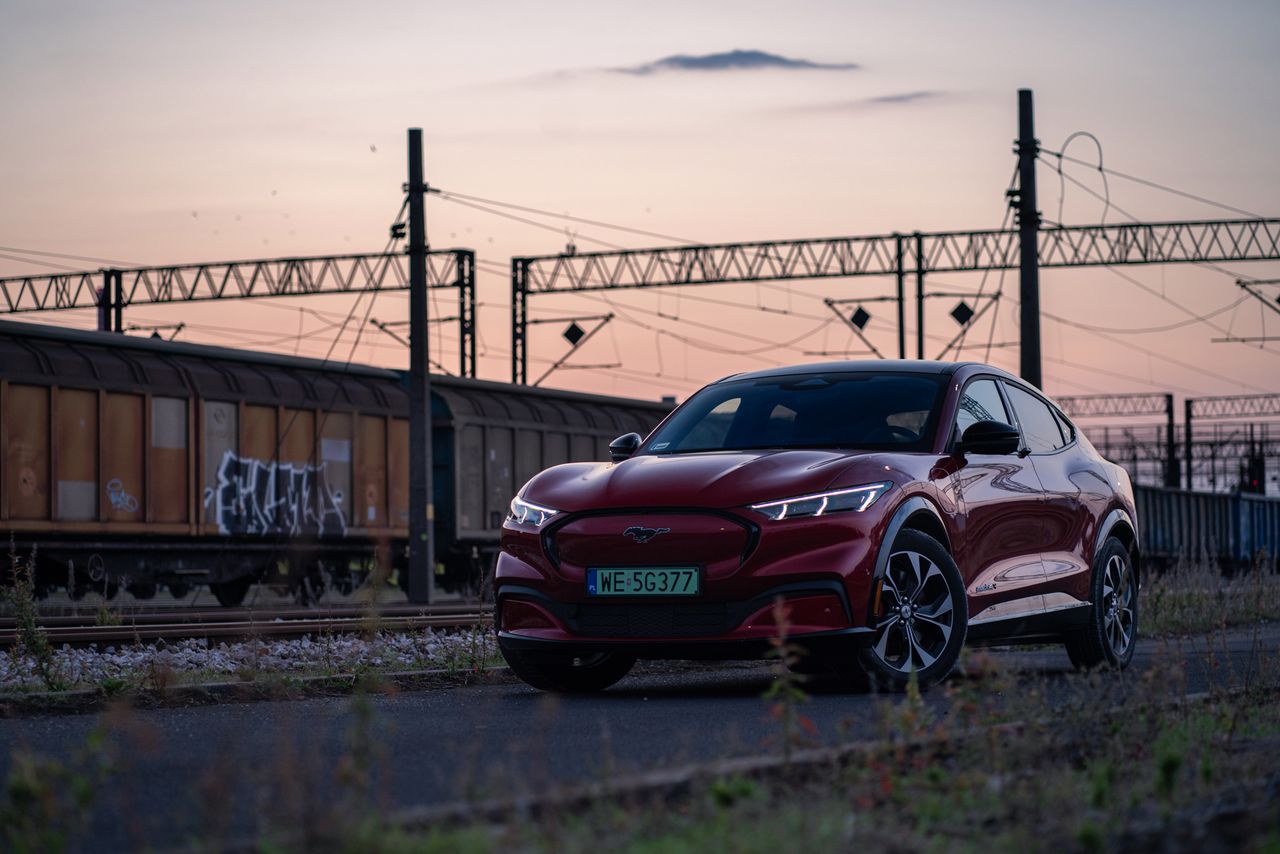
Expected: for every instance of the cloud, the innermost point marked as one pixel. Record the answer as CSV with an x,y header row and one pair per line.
x,y
733,60
858,104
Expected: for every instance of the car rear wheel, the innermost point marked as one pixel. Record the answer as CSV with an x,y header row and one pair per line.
x,y
1111,633
921,619
564,673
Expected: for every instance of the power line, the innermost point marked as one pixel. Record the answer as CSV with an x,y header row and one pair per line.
x,y
50,264
530,222
1154,184
1168,327
89,258
565,216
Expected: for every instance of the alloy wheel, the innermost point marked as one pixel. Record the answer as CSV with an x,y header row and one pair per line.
x,y
916,615
1117,604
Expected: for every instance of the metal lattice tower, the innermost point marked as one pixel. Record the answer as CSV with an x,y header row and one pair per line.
x,y
880,255
112,290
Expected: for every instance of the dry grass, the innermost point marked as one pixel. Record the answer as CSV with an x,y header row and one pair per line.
x,y
1198,597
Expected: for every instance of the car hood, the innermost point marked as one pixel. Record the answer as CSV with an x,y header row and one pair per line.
x,y
721,479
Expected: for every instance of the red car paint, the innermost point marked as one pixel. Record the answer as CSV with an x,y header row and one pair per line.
x,y
1021,527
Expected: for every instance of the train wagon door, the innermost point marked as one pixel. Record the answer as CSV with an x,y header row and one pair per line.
x,y
168,469
26,452
77,457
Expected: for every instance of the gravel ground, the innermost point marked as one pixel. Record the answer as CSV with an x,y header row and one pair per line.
x,y
167,661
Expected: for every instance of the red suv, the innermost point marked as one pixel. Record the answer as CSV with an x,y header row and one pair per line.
x,y
898,509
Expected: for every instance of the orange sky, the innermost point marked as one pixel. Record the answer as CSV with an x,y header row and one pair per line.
x,y
157,133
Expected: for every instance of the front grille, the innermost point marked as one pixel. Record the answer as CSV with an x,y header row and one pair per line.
x,y
653,621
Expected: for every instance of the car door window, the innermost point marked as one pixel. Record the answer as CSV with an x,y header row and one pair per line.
x,y
1068,431
980,401
1040,428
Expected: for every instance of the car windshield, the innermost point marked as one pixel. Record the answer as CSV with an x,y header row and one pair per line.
x,y
866,411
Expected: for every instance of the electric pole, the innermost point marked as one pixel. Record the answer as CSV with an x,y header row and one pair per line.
x,y
422,562
1028,241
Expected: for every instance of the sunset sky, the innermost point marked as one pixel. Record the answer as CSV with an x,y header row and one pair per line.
x,y
153,133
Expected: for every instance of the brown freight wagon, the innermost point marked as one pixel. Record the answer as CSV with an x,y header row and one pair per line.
x,y
138,462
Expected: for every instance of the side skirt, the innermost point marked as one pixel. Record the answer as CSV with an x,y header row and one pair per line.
x,y
1044,627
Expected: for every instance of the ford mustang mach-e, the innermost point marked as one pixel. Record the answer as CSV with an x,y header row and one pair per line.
x,y
897,509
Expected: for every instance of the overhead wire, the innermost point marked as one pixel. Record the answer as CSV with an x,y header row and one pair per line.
x,y
529,222
1154,184
53,265
565,216
1194,316
69,256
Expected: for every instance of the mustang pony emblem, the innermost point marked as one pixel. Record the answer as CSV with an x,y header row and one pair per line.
x,y
644,535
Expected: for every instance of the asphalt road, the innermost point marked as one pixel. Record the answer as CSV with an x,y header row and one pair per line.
x,y
185,773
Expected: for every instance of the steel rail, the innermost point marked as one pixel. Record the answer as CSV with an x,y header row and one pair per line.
x,y
76,632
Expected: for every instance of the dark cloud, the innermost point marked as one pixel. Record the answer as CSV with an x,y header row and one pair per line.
x,y
856,104
733,60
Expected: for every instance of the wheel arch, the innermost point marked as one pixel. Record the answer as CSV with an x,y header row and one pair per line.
x,y
1119,524
916,513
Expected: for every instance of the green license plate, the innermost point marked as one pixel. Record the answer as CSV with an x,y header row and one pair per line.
x,y
643,581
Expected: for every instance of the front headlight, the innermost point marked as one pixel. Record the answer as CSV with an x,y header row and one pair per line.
x,y
527,513
857,498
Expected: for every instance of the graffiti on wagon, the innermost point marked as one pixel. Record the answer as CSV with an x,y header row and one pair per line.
x,y
256,497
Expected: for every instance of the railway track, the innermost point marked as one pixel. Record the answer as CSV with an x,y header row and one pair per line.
x,y
223,623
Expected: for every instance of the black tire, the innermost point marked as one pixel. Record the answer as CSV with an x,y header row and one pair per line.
x,y
567,674
1111,633
923,617
230,594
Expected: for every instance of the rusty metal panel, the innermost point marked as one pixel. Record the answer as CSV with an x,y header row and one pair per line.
x,y
258,434
470,470
26,452
168,470
555,449
122,436
528,455
298,439
398,475
582,449
335,459
498,475
77,474
221,447
371,473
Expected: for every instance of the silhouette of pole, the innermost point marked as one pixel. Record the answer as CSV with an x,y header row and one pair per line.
x,y
902,299
919,295
1028,242
1171,477
421,580
1187,417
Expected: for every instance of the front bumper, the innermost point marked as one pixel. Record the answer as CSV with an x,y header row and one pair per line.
x,y
818,612
821,566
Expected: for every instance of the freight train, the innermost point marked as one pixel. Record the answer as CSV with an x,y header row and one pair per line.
x,y
1230,530
141,463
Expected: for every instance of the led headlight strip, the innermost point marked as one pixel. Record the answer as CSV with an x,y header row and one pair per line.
x,y
856,498
528,513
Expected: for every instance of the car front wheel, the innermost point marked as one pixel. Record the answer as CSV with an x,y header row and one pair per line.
x,y
922,616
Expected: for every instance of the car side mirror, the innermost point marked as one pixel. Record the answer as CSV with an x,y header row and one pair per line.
x,y
624,446
990,437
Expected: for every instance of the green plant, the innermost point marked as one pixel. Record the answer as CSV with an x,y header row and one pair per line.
x,y
105,616
45,801
31,639
727,791
786,693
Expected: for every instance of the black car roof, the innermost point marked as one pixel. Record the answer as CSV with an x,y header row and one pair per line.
x,y
877,366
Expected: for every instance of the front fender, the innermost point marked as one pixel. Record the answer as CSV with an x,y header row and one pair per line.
x,y
908,508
